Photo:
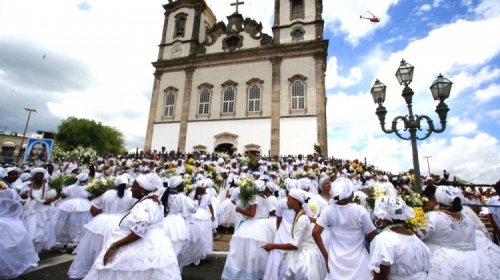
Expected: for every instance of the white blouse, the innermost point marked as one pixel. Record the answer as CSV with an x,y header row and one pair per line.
x,y
405,254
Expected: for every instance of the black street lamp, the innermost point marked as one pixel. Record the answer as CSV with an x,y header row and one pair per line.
x,y
412,123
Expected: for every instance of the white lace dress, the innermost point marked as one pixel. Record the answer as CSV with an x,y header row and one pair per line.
x,y
150,257
37,218
199,226
99,229
246,259
306,262
73,213
454,255
407,255
348,225
283,235
17,251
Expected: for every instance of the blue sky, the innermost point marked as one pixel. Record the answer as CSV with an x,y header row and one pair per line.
x,y
98,58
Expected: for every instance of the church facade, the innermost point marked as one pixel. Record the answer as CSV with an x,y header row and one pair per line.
x,y
221,85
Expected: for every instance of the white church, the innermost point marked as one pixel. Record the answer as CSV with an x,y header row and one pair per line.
x,y
221,86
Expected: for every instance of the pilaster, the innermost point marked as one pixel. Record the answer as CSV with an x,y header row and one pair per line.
x,y
275,105
152,111
320,68
186,101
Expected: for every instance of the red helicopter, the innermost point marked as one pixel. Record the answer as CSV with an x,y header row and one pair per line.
x,y
373,19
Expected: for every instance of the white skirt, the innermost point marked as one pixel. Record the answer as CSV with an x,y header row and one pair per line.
x,y
69,226
200,242
40,227
18,253
151,258
175,228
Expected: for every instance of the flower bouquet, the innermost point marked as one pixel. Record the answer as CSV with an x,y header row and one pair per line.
x,y
375,192
419,221
247,191
60,181
97,187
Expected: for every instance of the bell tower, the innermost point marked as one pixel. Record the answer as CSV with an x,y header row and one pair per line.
x,y
297,21
185,27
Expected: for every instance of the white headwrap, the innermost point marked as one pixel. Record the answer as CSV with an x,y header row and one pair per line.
x,y
259,185
272,187
37,170
342,188
82,177
144,183
299,195
174,182
322,180
446,194
392,208
25,177
304,184
2,173
122,179
155,180
290,184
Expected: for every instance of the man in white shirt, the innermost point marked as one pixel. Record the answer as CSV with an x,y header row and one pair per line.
x,y
494,213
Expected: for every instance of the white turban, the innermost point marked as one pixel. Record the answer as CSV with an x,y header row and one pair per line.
x,y
299,195
392,208
82,177
122,179
37,170
174,182
341,188
144,183
322,180
10,169
290,184
272,187
304,184
25,177
446,194
260,185
155,180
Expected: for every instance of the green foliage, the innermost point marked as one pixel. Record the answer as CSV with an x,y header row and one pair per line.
x,y
61,181
97,187
74,132
247,191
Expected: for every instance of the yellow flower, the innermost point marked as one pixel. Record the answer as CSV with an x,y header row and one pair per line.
x,y
313,208
419,221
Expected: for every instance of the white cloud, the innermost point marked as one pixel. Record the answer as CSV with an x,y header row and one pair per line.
x,y
424,8
458,126
488,8
487,94
333,79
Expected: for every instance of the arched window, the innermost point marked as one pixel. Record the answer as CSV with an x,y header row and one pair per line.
x,y
296,9
228,100
169,104
204,104
180,25
298,95
254,99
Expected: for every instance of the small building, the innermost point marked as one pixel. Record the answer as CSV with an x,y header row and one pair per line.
x,y
11,148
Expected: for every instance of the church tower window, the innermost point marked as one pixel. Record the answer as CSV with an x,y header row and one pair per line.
x,y
180,25
296,9
169,104
298,93
204,105
228,100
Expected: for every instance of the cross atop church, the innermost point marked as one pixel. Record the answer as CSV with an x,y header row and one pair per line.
x,y
237,3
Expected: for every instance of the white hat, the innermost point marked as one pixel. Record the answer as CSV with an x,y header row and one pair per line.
x,y
299,195
144,183
122,179
174,182
342,188
37,170
446,194
82,177
259,185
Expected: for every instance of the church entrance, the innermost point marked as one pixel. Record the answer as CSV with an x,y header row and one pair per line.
x,y
225,148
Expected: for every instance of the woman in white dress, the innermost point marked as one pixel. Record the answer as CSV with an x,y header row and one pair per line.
x,y
108,209
138,249
284,221
451,237
396,253
246,258
18,253
179,209
348,222
303,260
74,212
37,212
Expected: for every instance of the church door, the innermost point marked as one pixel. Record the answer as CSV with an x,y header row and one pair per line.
x,y
225,148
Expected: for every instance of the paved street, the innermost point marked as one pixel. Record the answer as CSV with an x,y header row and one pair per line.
x,y
54,265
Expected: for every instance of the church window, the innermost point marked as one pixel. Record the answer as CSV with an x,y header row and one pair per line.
x,y
180,25
296,9
254,99
298,96
169,104
204,105
228,100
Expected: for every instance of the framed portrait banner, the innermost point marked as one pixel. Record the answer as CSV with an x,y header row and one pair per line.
x,y
38,151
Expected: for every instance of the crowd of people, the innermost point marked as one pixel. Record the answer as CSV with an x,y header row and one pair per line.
x,y
293,218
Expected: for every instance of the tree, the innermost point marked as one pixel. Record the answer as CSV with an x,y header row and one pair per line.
x,y
74,132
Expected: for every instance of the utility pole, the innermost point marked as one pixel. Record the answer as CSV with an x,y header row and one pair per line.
x,y
428,167
19,155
